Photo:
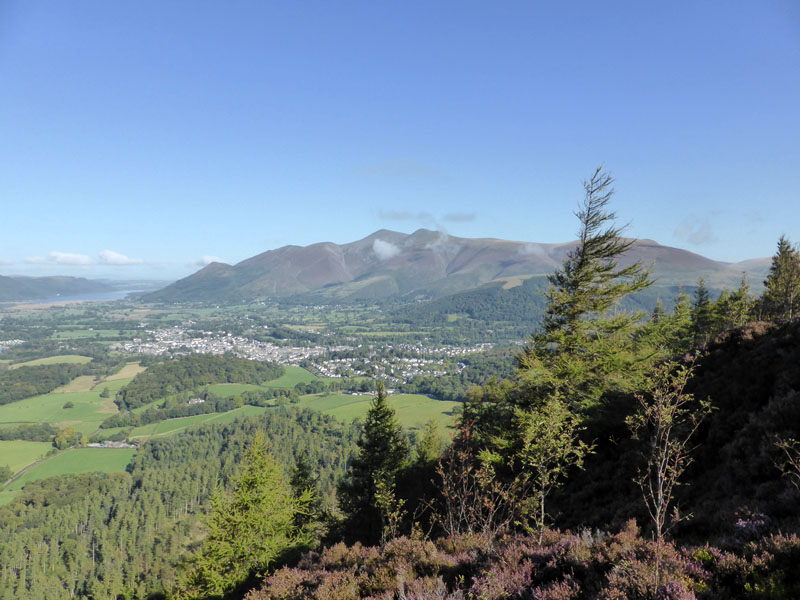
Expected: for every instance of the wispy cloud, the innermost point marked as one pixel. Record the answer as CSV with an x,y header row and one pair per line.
x,y
5,262
403,170
109,257
106,258
695,230
61,258
406,215
532,250
427,219
206,260
459,217
384,250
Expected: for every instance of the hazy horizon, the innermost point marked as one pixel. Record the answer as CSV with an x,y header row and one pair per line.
x,y
143,141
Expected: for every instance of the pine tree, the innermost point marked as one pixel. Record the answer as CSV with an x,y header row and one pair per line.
x,y
586,347
383,452
781,299
702,314
248,529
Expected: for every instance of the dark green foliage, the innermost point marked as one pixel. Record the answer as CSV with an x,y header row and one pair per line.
x,y
781,299
210,404
33,432
382,452
585,348
249,528
25,382
5,473
190,373
702,314
106,535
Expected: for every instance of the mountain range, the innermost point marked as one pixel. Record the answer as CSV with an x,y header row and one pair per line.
x,y
16,288
424,265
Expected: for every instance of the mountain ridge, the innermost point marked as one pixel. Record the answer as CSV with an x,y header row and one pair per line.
x,y
422,265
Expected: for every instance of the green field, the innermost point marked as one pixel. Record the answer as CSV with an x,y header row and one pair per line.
x,y
291,378
54,360
18,454
413,410
74,334
173,426
88,411
78,460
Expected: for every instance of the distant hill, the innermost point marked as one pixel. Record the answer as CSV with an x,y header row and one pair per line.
x,y
16,288
422,265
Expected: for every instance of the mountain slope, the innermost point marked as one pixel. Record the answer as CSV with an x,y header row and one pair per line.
x,y
17,288
424,264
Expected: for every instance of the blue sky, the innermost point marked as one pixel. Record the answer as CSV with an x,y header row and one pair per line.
x,y
139,139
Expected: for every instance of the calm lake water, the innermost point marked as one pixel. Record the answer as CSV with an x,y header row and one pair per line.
x,y
116,295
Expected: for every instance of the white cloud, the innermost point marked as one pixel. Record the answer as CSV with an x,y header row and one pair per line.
x,y
384,250
207,260
6,262
532,250
695,230
109,257
60,258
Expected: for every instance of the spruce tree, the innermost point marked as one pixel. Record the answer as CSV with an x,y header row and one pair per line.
x,y
249,529
702,314
781,299
383,452
587,346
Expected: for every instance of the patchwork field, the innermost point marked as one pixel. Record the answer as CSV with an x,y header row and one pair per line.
x,y
54,360
173,426
17,454
77,460
413,410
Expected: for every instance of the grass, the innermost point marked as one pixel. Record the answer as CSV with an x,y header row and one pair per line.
x,y
291,378
54,360
77,460
129,371
74,334
88,411
173,426
413,410
83,383
18,454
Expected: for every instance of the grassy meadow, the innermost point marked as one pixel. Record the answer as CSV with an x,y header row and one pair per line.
x,y
18,454
413,410
54,360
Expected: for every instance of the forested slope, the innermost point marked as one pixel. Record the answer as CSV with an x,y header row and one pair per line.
x,y
100,536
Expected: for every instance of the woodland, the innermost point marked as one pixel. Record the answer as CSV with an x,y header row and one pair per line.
x,y
619,454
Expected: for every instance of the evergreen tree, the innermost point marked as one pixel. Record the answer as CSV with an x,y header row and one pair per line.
x,y
586,347
249,529
702,314
383,452
781,299
741,304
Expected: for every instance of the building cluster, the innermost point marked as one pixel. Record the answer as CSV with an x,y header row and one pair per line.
x,y
178,340
397,363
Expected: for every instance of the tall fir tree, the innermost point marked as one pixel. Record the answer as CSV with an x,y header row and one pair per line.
x,y
781,299
587,346
702,314
249,529
383,452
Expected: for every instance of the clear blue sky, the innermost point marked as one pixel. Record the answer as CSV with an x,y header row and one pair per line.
x,y
159,133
